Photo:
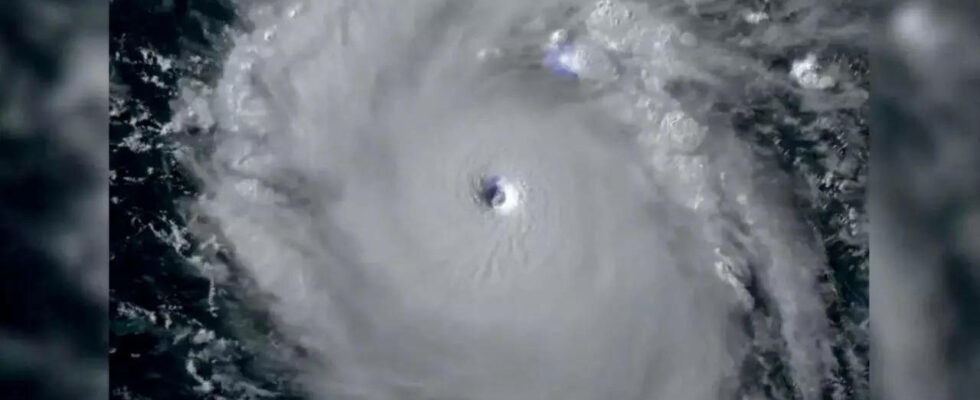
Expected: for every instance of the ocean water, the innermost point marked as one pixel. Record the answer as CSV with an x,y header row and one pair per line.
x,y
295,200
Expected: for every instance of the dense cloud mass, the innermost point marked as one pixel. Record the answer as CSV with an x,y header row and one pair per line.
x,y
654,251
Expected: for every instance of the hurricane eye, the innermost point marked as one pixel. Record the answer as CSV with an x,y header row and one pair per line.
x,y
498,194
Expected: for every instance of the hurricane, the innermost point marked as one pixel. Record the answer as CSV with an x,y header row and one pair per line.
x,y
515,200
